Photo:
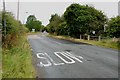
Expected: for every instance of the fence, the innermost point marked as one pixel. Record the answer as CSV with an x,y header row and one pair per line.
x,y
98,38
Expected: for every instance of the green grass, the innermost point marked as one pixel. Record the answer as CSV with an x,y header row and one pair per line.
x,y
17,61
107,43
32,33
0,63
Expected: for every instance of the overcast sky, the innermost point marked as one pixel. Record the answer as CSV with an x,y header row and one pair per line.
x,y
43,9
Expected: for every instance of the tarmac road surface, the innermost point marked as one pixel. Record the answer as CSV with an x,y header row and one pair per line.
x,y
55,58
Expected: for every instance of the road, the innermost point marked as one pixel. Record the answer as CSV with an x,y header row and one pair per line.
x,y
54,58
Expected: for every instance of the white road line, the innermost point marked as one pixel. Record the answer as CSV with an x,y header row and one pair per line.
x,y
71,60
73,56
53,60
48,62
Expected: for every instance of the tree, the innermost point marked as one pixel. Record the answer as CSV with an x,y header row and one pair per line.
x,y
31,18
0,20
83,19
54,22
33,23
113,28
62,29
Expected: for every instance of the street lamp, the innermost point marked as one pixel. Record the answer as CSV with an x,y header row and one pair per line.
x,y
24,18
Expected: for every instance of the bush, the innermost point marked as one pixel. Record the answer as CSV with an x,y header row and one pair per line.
x,y
14,29
113,28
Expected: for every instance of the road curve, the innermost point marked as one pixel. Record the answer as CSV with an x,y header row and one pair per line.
x,y
54,58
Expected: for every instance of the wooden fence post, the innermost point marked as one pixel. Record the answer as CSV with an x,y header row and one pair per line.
x,y
88,37
80,36
99,39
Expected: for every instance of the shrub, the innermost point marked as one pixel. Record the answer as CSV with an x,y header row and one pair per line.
x,y
14,29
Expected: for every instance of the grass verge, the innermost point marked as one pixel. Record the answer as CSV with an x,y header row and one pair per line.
x,y
32,33
107,43
0,63
17,61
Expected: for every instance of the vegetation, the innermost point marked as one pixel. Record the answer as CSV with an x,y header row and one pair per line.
x,y
0,62
54,23
114,27
33,23
16,53
0,46
85,20
78,19
107,43
17,61
14,29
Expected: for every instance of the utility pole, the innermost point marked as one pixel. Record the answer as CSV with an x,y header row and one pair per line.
x,y
18,11
119,8
4,18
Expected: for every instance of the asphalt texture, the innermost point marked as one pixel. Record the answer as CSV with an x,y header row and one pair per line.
x,y
51,59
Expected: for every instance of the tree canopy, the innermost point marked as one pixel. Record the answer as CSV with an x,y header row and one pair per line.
x,y
113,28
54,22
83,19
33,23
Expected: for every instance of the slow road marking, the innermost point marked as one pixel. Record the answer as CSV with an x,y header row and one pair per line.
x,y
50,62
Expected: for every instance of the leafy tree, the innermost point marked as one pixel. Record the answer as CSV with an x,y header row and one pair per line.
x,y
83,19
55,20
113,28
62,29
0,19
33,23
31,18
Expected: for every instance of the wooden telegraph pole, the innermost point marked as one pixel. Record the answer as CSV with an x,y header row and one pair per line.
x,y
18,11
4,18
